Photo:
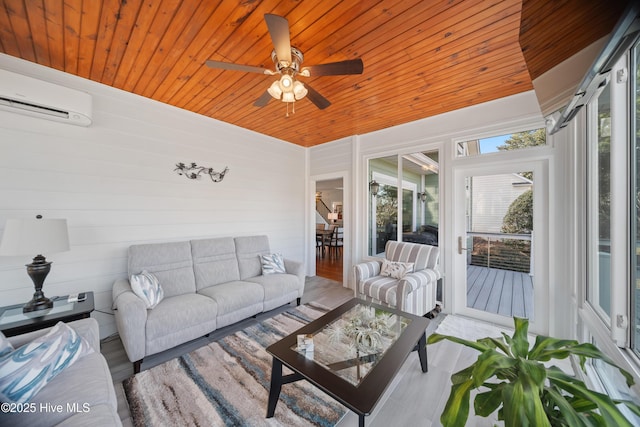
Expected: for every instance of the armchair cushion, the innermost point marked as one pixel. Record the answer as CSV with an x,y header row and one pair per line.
x,y
380,288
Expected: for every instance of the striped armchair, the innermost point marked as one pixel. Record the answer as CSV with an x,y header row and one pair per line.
x,y
415,292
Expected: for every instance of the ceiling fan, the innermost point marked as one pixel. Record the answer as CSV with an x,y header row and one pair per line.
x,y
288,60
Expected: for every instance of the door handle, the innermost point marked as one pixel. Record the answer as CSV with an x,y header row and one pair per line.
x,y
460,248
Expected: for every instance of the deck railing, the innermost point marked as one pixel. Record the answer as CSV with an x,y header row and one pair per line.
x,y
506,251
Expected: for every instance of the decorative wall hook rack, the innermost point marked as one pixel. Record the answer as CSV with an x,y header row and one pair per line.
x,y
193,171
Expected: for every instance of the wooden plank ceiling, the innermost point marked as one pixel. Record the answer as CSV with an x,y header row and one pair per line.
x,y
421,58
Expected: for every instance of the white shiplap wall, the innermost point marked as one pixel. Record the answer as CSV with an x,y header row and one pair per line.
x,y
115,185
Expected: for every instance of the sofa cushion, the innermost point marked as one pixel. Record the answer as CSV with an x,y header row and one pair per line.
x,y
214,261
422,256
170,262
279,289
179,319
236,300
248,251
26,370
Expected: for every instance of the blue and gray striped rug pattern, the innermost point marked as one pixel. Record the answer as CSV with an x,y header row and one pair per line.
x,y
226,383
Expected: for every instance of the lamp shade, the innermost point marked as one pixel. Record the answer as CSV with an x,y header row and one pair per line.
x,y
34,237
333,215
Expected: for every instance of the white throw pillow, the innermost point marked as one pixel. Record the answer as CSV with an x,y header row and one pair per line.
x,y
146,286
395,269
25,371
272,264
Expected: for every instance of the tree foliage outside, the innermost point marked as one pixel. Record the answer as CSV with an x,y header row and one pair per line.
x,y
519,217
386,206
530,138
519,140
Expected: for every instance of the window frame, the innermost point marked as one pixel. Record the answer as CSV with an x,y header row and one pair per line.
x,y
614,338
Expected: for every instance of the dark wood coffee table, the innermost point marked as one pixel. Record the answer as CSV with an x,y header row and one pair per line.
x,y
355,377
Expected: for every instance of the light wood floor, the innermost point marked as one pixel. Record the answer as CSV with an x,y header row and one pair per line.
x,y
412,399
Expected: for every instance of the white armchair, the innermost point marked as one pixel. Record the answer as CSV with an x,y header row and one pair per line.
x,y
415,292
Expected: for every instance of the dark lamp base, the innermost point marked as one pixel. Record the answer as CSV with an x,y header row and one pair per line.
x,y
37,304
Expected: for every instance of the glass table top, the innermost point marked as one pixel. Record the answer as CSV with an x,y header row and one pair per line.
x,y
15,314
351,345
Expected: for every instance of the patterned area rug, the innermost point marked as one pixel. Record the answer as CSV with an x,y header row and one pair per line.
x,y
226,383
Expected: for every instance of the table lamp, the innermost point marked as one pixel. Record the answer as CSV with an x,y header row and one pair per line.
x,y
29,236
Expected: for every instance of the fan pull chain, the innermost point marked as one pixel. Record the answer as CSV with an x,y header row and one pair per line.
x,y
293,108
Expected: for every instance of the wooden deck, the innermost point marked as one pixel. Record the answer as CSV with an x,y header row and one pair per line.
x,y
508,293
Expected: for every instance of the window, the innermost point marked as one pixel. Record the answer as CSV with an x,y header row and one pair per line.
x,y
610,309
599,204
494,144
410,214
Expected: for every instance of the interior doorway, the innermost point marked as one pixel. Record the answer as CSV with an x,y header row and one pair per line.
x,y
330,223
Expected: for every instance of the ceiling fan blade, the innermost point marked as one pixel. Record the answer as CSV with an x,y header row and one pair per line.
x,y
351,66
279,31
263,100
237,67
320,101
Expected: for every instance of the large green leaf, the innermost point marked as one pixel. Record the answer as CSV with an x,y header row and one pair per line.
x,y
533,370
487,402
456,411
463,375
547,348
607,408
496,343
532,375
520,344
591,351
522,406
435,337
487,364
569,414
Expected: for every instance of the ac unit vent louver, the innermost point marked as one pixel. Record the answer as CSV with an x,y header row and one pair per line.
x,y
25,95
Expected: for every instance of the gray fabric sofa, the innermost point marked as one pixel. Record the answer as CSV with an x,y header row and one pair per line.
x,y
84,390
207,284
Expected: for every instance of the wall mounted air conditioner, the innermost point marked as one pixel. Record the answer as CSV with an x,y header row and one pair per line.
x,y
25,95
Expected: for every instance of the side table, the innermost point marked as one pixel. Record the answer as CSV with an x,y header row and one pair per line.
x,y
14,322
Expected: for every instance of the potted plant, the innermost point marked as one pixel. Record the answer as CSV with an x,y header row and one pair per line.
x,y
512,378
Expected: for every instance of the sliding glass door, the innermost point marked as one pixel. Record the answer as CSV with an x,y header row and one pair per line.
x,y
403,200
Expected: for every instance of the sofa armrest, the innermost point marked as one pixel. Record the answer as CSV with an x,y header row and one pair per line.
x,y
86,328
413,281
296,268
131,319
366,270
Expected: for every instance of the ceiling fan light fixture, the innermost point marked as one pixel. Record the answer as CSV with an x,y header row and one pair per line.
x,y
288,97
286,83
299,91
274,90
